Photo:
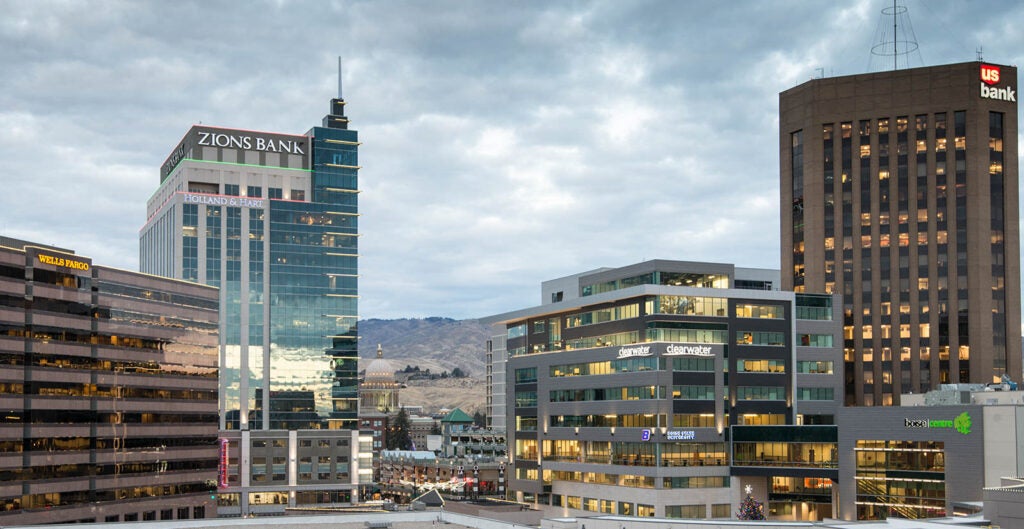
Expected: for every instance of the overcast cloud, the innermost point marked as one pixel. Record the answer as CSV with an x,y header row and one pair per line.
x,y
504,143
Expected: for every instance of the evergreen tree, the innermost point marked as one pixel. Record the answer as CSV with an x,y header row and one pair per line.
x,y
750,509
479,419
399,438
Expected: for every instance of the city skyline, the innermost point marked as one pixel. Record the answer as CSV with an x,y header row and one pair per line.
x,y
486,131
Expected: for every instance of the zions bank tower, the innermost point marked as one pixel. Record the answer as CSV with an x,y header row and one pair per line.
x,y
271,219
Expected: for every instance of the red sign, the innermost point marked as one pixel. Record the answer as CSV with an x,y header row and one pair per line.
x,y
222,471
990,74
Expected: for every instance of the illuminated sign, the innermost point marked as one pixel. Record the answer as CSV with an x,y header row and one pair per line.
x,y
681,435
222,470
645,434
222,200
173,160
962,423
990,76
65,262
250,143
639,350
690,350
232,139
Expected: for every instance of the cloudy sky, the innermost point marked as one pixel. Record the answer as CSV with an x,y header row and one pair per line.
x,y
504,143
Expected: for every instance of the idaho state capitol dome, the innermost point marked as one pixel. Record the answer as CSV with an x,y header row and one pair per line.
x,y
378,393
379,370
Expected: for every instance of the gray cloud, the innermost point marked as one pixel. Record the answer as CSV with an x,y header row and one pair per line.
x,y
503,143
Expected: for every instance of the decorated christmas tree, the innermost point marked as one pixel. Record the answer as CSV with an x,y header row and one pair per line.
x,y
750,509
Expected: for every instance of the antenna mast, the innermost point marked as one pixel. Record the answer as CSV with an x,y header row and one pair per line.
x,y
895,48
900,44
339,78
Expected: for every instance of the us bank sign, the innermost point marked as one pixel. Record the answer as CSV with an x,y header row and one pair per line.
x,y
991,75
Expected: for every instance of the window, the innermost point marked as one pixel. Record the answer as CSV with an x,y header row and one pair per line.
x,y
759,311
685,511
816,340
601,316
231,189
761,393
760,338
693,364
760,366
298,194
814,367
696,482
695,305
815,394
528,374
693,392
254,191
275,192
526,399
516,331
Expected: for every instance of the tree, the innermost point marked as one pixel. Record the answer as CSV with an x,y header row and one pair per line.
x,y
399,438
750,509
479,419
458,373
435,429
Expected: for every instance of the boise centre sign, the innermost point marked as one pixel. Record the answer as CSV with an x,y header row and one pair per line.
x,y
961,423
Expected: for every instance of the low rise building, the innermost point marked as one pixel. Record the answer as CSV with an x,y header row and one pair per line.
x,y
624,384
268,471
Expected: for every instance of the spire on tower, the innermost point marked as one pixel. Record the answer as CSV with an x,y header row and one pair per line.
x,y
339,78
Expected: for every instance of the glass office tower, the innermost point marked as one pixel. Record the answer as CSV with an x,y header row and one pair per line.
x,y
271,220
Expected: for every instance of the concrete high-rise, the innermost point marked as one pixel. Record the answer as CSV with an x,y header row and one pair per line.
x,y
899,191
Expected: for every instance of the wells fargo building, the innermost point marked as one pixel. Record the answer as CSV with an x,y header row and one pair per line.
x,y
899,191
108,386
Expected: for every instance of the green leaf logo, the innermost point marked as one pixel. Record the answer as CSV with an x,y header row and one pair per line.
x,y
962,423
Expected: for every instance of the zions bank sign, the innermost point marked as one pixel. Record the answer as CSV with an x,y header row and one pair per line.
x,y
991,76
199,137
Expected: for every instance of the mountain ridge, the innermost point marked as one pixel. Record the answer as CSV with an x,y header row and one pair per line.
x,y
438,344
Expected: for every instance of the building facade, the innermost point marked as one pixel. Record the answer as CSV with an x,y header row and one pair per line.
x,y
293,468
108,380
495,359
270,219
624,384
934,456
899,191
